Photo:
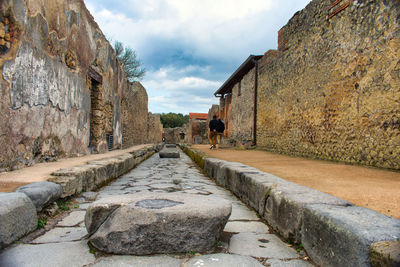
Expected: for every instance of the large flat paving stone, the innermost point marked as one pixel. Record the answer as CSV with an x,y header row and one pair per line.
x,y
69,254
17,217
222,260
74,218
41,193
151,223
242,213
240,227
138,261
288,263
260,245
64,234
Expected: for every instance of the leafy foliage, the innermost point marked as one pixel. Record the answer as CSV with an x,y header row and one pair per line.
x,y
132,64
172,120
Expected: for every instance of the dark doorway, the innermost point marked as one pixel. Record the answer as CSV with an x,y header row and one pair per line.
x,y
96,115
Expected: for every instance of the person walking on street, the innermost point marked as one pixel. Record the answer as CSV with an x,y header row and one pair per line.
x,y
220,130
213,125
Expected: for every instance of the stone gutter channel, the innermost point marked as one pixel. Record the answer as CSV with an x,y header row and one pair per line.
x,y
332,231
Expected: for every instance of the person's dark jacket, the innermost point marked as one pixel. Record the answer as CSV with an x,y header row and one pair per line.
x,y
221,126
213,125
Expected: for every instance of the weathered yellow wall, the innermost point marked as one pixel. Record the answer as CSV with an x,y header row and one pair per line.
x,y
334,93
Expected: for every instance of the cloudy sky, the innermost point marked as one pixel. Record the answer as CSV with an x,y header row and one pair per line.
x,y
191,47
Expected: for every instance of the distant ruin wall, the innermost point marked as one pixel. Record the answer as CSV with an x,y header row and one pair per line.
x,y
135,115
333,90
60,81
154,129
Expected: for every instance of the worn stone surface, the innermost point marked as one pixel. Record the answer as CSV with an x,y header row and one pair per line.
x,y
335,236
331,92
68,254
260,245
385,253
61,234
73,219
41,193
222,260
285,204
151,223
136,261
17,217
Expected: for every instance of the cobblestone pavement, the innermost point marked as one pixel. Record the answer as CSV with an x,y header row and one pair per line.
x,y
246,241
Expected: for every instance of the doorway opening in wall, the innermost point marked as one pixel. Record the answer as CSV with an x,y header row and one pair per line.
x,y
109,122
96,116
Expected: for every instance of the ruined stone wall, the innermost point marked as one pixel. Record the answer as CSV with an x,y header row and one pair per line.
x,y
333,90
59,78
154,128
172,135
242,109
135,115
198,131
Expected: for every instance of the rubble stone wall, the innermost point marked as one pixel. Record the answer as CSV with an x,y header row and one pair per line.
x,y
333,90
135,115
154,128
242,109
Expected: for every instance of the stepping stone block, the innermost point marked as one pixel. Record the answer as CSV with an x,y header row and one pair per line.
x,y
169,154
170,145
154,223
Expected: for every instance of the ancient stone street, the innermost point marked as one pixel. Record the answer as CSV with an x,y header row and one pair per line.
x,y
246,240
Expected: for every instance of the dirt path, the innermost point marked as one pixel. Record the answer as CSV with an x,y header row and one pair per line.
x,y
9,181
367,187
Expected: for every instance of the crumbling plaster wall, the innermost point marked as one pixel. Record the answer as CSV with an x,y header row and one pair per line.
x,y
333,90
45,89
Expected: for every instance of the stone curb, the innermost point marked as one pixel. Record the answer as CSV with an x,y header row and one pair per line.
x,y
18,213
97,173
333,231
17,217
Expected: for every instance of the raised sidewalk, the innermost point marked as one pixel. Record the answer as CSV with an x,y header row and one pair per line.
x,y
333,231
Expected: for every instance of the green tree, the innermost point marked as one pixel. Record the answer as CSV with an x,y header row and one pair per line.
x,y
132,64
172,120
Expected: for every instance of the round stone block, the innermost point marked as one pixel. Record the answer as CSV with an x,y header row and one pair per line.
x,y
153,223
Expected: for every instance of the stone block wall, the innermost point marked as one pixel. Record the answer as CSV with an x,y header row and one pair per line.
x,y
135,115
333,90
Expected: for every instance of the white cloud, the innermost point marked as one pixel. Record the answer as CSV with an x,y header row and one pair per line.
x,y
190,47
